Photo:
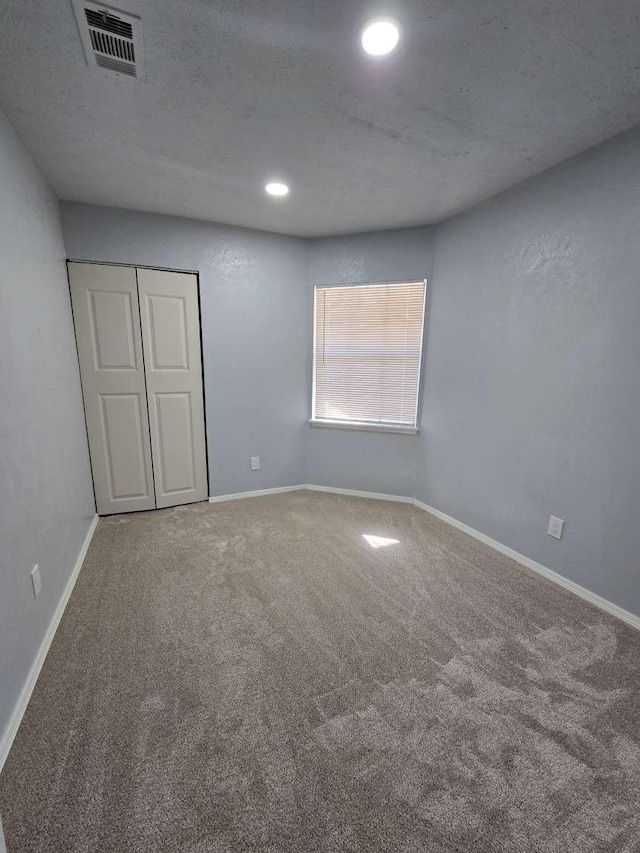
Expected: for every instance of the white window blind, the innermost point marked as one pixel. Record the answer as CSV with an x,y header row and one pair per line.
x,y
367,348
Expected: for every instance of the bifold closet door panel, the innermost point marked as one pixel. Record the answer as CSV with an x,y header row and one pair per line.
x,y
173,365
107,322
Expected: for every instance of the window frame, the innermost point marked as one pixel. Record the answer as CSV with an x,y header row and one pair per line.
x,y
371,426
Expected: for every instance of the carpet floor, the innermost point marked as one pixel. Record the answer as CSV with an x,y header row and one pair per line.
x,y
256,676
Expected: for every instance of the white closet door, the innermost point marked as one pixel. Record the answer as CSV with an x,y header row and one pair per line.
x,y
107,322
173,366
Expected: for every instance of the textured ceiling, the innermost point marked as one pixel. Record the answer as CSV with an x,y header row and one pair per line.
x,y
482,94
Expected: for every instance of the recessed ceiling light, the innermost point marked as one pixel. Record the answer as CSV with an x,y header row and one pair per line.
x,y
379,37
277,189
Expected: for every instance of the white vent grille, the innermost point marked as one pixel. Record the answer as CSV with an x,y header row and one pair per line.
x,y
112,40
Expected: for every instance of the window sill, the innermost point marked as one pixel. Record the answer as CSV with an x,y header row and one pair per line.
x,y
366,427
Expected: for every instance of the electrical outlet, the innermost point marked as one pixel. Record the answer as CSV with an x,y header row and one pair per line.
x,y
556,526
255,463
35,580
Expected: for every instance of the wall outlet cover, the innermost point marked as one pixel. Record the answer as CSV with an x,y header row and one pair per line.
x,y
35,580
556,526
255,463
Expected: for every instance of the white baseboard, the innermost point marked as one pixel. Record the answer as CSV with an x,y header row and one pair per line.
x,y
356,493
573,587
255,494
23,700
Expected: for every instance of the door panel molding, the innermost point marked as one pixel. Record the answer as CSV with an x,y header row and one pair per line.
x,y
173,340
124,467
177,471
107,332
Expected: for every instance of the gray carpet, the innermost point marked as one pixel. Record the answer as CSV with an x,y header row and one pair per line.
x,y
254,676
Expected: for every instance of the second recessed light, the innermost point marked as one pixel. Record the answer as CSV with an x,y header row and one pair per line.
x,y
277,189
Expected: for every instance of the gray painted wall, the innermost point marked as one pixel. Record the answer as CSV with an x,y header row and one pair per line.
x,y
254,330
46,496
371,461
532,381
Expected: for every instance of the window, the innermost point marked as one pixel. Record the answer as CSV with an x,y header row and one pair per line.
x,y
366,359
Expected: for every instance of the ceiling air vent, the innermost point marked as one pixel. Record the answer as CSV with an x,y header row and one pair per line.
x,y
111,39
